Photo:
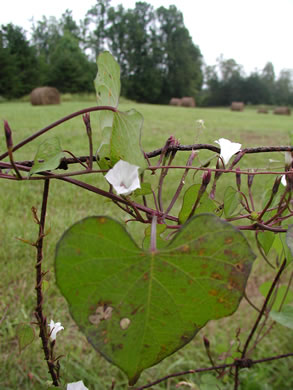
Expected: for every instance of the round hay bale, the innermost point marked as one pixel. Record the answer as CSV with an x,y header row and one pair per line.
x,y
175,102
44,95
237,106
188,101
282,111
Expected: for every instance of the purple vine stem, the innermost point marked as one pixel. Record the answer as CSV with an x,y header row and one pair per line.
x,y
58,122
41,319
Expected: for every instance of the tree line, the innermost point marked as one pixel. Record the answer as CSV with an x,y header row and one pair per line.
x,y
157,56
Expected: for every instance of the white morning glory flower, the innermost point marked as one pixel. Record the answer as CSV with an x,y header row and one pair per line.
x,y
55,327
123,177
76,386
228,149
200,124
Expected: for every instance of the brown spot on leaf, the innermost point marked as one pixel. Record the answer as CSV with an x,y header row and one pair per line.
x,y
202,251
204,266
240,267
233,285
190,281
217,276
146,345
106,341
213,292
228,252
77,251
228,240
146,276
185,248
102,220
134,311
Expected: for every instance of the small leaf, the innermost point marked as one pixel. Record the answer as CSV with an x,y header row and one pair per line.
x,y
278,298
50,152
283,317
25,336
281,248
126,137
122,142
45,285
145,189
231,202
163,297
107,81
206,205
266,240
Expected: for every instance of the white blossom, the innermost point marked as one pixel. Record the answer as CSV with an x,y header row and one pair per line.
x,y
200,124
55,327
228,149
76,386
123,177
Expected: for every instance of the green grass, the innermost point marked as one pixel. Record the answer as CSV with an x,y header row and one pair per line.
x,y
68,204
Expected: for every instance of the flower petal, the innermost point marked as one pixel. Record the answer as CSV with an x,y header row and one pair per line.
x,y
123,177
55,327
76,386
228,148
284,181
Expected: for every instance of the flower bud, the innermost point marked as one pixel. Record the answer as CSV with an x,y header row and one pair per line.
x,y
238,178
206,342
87,121
8,135
288,160
250,180
206,177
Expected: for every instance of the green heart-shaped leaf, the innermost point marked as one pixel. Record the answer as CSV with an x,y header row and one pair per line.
x,y
205,205
48,156
136,307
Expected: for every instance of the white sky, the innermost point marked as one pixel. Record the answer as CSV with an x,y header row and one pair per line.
x,y
252,32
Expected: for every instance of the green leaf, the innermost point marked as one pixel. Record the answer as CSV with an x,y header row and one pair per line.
x,y
51,154
122,142
266,240
282,248
145,189
121,132
231,202
137,307
278,297
206,205
289,238
107,81
283,317
25,335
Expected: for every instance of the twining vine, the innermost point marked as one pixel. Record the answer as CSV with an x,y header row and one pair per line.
x,y
173,243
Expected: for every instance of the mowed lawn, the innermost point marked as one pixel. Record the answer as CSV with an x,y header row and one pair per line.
x,y
67,204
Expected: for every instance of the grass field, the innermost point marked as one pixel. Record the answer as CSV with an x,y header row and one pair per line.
x,y
67,204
